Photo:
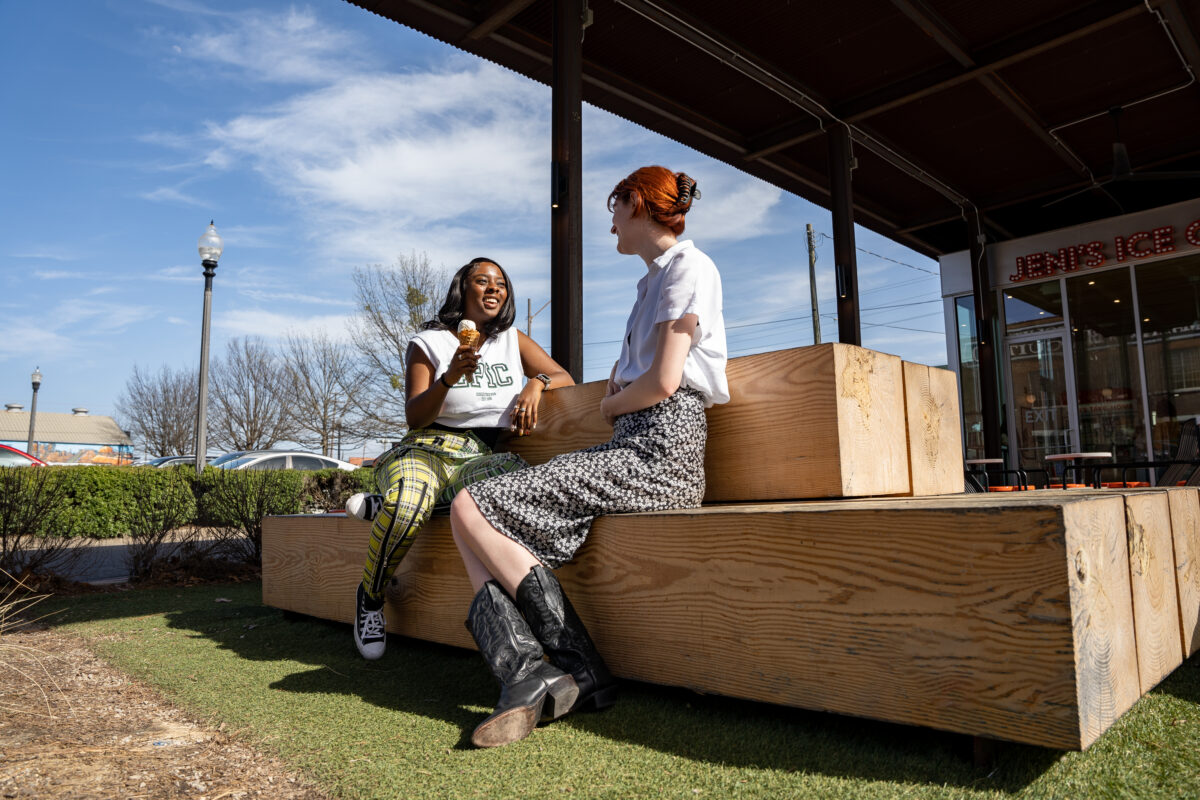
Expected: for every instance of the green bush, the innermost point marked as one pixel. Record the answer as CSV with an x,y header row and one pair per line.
x,y
237,500
218,493
106,502
328,489
103,502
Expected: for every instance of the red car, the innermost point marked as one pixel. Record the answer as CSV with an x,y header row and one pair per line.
x,y
12,457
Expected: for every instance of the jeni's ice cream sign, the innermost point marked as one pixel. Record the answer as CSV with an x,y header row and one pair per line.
x,y
1144,236
1138,245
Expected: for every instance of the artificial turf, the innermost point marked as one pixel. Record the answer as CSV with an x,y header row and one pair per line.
x,y
399,727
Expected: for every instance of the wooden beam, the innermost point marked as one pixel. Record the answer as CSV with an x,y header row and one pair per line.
x,y
566,189
498,14
1018,626
851,401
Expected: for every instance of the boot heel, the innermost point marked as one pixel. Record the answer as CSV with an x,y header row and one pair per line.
x,y
560,697
600,699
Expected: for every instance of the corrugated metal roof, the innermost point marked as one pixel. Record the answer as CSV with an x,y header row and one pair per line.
x,y
64,428
948,99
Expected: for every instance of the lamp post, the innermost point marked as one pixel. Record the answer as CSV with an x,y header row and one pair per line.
x,y
36,379
210,247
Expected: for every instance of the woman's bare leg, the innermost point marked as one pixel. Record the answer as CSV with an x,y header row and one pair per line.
x,y
486,552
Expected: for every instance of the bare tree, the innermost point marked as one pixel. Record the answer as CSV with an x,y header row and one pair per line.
x,y
393,302
322,376
159,409
251,404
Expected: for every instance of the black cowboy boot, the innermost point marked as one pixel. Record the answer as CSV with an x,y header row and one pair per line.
x,y
529,686
556,625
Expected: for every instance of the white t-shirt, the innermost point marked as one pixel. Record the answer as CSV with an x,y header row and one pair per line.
x,y
487,400
681,281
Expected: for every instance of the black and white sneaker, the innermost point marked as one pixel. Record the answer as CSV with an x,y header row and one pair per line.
x,y
369,634
364,506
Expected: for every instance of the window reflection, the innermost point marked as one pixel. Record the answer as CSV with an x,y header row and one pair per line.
x,y
968,360
1030,307
1107,372
1169,302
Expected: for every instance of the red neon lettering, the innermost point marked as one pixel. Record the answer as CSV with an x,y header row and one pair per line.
x,y
1021,273
1192,234
1136,239
1095,254
1120,248
1164,239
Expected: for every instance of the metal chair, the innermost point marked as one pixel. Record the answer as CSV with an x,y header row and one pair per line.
x,y
1183,468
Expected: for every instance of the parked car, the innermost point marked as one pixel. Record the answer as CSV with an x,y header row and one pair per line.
x,y
173,461
284,459
222,459
12,457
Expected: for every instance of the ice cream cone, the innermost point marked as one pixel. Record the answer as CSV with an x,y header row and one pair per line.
x,y
468,334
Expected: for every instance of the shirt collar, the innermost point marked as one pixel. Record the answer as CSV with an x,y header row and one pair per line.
x,y
665,259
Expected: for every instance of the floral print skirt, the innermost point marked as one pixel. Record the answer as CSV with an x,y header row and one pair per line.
x,y
655,461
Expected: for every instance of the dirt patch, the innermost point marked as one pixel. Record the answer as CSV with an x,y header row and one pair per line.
x,y
71,726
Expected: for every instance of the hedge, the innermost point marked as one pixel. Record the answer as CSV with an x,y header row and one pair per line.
x,y
100,501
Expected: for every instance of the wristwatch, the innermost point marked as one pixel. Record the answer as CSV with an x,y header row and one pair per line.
x,y
545,379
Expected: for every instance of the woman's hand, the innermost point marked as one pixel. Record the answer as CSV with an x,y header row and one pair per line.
x,y
525,412
464,362
606,409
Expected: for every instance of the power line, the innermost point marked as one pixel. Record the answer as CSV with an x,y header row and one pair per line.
x,y
885,258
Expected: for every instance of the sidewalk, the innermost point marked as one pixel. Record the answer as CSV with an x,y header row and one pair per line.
x,y
104,561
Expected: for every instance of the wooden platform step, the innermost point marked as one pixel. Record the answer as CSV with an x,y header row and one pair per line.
x,y
998,616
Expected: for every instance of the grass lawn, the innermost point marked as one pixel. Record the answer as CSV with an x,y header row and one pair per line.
x,y
399,727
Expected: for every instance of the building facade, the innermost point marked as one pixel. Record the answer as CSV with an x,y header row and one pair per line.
x,y
75,438
1098,345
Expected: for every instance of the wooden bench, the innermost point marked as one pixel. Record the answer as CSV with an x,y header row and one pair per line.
x,y
822,574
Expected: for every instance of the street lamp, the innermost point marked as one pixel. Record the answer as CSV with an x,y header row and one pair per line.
x,y
36,379
210,247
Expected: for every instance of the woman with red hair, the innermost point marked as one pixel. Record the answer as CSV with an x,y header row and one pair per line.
x,y
513,529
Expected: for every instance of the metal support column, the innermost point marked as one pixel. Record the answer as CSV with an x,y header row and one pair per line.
x,y
566,178
844,254
985,325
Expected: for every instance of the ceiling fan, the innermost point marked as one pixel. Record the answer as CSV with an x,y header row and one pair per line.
x,y
1122,170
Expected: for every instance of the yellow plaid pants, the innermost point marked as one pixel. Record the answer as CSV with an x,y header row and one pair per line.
x,y
427,469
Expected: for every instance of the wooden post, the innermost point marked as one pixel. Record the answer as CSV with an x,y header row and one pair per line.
x,y
566,192
844,256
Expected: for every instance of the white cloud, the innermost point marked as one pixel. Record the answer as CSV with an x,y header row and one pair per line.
x,y
292,47
169,194
275,325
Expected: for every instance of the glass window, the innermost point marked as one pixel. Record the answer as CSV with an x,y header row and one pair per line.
x,y
1169,302
1039,384
1108,385
309,462
10,459
278,462
968,368
1029,307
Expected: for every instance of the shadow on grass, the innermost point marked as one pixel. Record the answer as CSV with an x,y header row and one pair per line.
x,y
1184,682
452,684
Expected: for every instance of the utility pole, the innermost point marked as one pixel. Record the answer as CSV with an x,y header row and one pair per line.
x,y
812,284
530,314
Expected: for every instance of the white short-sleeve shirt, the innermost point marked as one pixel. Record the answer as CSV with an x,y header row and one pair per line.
x,y
487,400
681,281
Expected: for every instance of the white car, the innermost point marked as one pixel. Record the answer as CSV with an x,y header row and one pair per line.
x,y
284,459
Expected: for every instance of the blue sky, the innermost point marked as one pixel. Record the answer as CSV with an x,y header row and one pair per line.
x,y
321,137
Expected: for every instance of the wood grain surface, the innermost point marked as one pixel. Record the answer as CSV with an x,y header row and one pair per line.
x,y
1152,573
1185,533
820,421
934,425
1010,619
